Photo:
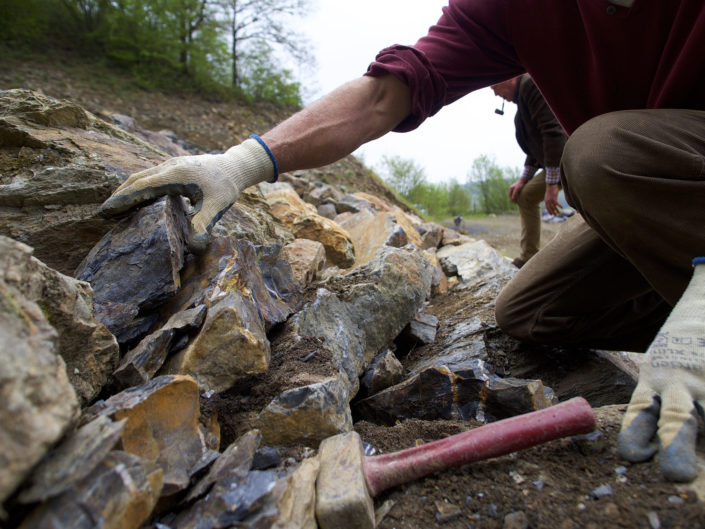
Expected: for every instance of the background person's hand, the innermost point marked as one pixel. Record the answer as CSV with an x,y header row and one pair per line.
x,y
211,181
671,389
550,199
515,189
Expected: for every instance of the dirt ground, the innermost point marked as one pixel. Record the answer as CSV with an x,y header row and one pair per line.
x,y
503,232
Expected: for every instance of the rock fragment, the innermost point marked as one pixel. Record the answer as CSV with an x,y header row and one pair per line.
x,y
135,267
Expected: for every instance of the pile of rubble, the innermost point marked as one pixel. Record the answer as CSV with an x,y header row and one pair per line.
x,y
150,387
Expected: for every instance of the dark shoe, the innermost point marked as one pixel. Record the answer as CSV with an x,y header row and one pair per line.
x,y
518,262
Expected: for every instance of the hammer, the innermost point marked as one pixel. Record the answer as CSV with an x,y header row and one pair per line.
x,y
348,480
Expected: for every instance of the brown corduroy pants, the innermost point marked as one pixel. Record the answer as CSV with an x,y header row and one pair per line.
x,y
612,274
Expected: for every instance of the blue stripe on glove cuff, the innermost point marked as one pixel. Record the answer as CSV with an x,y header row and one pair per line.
x,y
271,156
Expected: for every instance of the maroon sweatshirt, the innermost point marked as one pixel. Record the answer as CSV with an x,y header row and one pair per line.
x,y
587,57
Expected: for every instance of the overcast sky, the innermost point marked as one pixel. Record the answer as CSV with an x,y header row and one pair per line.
x,y
346,36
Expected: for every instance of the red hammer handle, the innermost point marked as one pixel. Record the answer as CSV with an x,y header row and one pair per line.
x,y
571,417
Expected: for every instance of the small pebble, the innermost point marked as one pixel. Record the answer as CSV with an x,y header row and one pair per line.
x,y
590,443
620,471
675,499
581,506
602,491
383,511
611,510
308,357
368,449
516,520
654,522
492,511
518,478
266,457
446,511
540,484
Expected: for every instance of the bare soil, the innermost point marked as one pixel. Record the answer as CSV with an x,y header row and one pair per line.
x,y
503,232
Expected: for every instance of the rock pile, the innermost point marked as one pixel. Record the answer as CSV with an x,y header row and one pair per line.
x,y
146,387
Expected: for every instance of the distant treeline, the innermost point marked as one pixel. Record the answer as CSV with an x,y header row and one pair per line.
x,y
226,46
484,192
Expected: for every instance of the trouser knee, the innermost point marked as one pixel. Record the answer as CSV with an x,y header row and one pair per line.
x,y
596,154
511,319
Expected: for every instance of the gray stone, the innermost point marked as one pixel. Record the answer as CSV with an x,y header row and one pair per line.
x,y
141,363
469,391
476,262
87,347
74,459
307,414
245,501
327,210
136,266
384,371
123,489
431,235
233,463
516,520
251,219
428,395
35,389
64,163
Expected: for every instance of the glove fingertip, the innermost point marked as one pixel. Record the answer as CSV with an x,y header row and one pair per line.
x,y
198,242
632,447
115,205
636,442
677,459
677,463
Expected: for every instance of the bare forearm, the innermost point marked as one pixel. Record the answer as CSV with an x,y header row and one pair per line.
x,y
337,124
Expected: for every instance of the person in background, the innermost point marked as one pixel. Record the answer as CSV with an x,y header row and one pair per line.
x,y
542,138
625,79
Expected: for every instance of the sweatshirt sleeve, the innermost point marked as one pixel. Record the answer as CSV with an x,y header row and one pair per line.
x,y
467,49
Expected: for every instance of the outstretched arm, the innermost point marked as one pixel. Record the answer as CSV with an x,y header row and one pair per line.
x,y
334,126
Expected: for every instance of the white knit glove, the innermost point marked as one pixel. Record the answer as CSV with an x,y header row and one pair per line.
x,y
671,389
211,181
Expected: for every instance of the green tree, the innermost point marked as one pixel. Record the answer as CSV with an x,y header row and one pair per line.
x,y
491,184
459,200
403,175
262,80
253,23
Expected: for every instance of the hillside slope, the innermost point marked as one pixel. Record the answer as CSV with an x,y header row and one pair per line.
x,y
204,122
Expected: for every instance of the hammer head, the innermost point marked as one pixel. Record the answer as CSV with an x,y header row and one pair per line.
x,y
342,498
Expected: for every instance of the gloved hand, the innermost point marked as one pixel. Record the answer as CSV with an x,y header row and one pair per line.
x,y
211,181
671,389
